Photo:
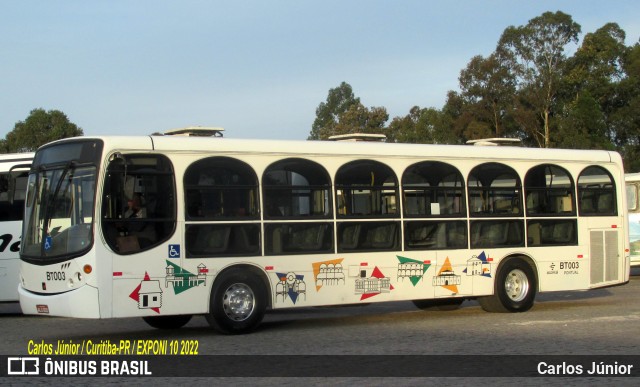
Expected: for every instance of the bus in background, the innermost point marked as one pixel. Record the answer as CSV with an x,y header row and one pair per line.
x,y
633,206
167,227
14,169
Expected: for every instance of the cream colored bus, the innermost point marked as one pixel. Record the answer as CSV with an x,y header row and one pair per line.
x,y
167,227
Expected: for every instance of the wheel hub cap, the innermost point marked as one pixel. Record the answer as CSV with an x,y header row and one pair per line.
x,y
238,302
516,285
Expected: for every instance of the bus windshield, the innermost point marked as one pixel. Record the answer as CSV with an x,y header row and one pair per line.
x,y
60,204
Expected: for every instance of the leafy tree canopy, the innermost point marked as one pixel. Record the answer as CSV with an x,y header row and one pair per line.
x,y
339,100
39,128
343,113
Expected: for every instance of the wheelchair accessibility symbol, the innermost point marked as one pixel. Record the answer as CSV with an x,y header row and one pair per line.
x,y
174,251
47,243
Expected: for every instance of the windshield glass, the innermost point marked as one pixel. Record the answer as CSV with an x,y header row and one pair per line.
x,y
59,207
59,211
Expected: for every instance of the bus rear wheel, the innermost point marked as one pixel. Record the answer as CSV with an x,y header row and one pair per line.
x,y
168,322
444,304
514,289
238,302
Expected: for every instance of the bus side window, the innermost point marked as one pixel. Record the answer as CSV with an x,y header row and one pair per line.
x,y
494,189
597,192
139,202
496,233
552,232
12,208
632,197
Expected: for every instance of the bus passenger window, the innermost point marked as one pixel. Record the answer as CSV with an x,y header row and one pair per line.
x,y
138,202
434,235
596,192
494,190
366,189
298,238
552,232
296,188
222,240
496,233
433,188
368,236
220,188
549,191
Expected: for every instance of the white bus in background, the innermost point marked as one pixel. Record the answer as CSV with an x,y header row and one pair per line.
x,y
14,169
633,206
167,227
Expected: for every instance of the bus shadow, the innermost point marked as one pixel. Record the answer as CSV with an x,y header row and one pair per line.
x,y
573,295
10,309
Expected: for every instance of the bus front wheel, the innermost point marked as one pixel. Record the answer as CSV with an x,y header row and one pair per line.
x,y
238,302
168,322
514,289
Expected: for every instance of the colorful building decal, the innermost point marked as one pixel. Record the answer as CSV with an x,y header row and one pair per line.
x,y
479,265
447,278
412,269
372,285
290,285
181,279
328,273
148,294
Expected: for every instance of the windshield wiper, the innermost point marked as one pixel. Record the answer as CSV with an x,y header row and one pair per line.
x,y
49,208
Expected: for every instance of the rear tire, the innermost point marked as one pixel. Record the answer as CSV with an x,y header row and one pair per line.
x,y
238,302
515,288
168,322
444,304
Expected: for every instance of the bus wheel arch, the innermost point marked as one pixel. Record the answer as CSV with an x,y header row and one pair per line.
x,y
515,286
238,301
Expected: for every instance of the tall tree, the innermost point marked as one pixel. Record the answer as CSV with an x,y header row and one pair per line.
x,y
597,64
421,126
582,125
339,100
487,88
453,121
536,55
39,128
627,117
359,119
591,89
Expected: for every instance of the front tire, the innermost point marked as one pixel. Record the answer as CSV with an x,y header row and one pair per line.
x,y
238,302
515,288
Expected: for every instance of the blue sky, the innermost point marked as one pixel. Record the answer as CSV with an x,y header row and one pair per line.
x,y
257,68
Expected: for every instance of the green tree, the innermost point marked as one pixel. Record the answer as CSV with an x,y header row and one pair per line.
x,y
597,64
454,121
626,118
411,128
486,88
582,125
535,53
339,100
422,126
359,119
595,72
39,128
